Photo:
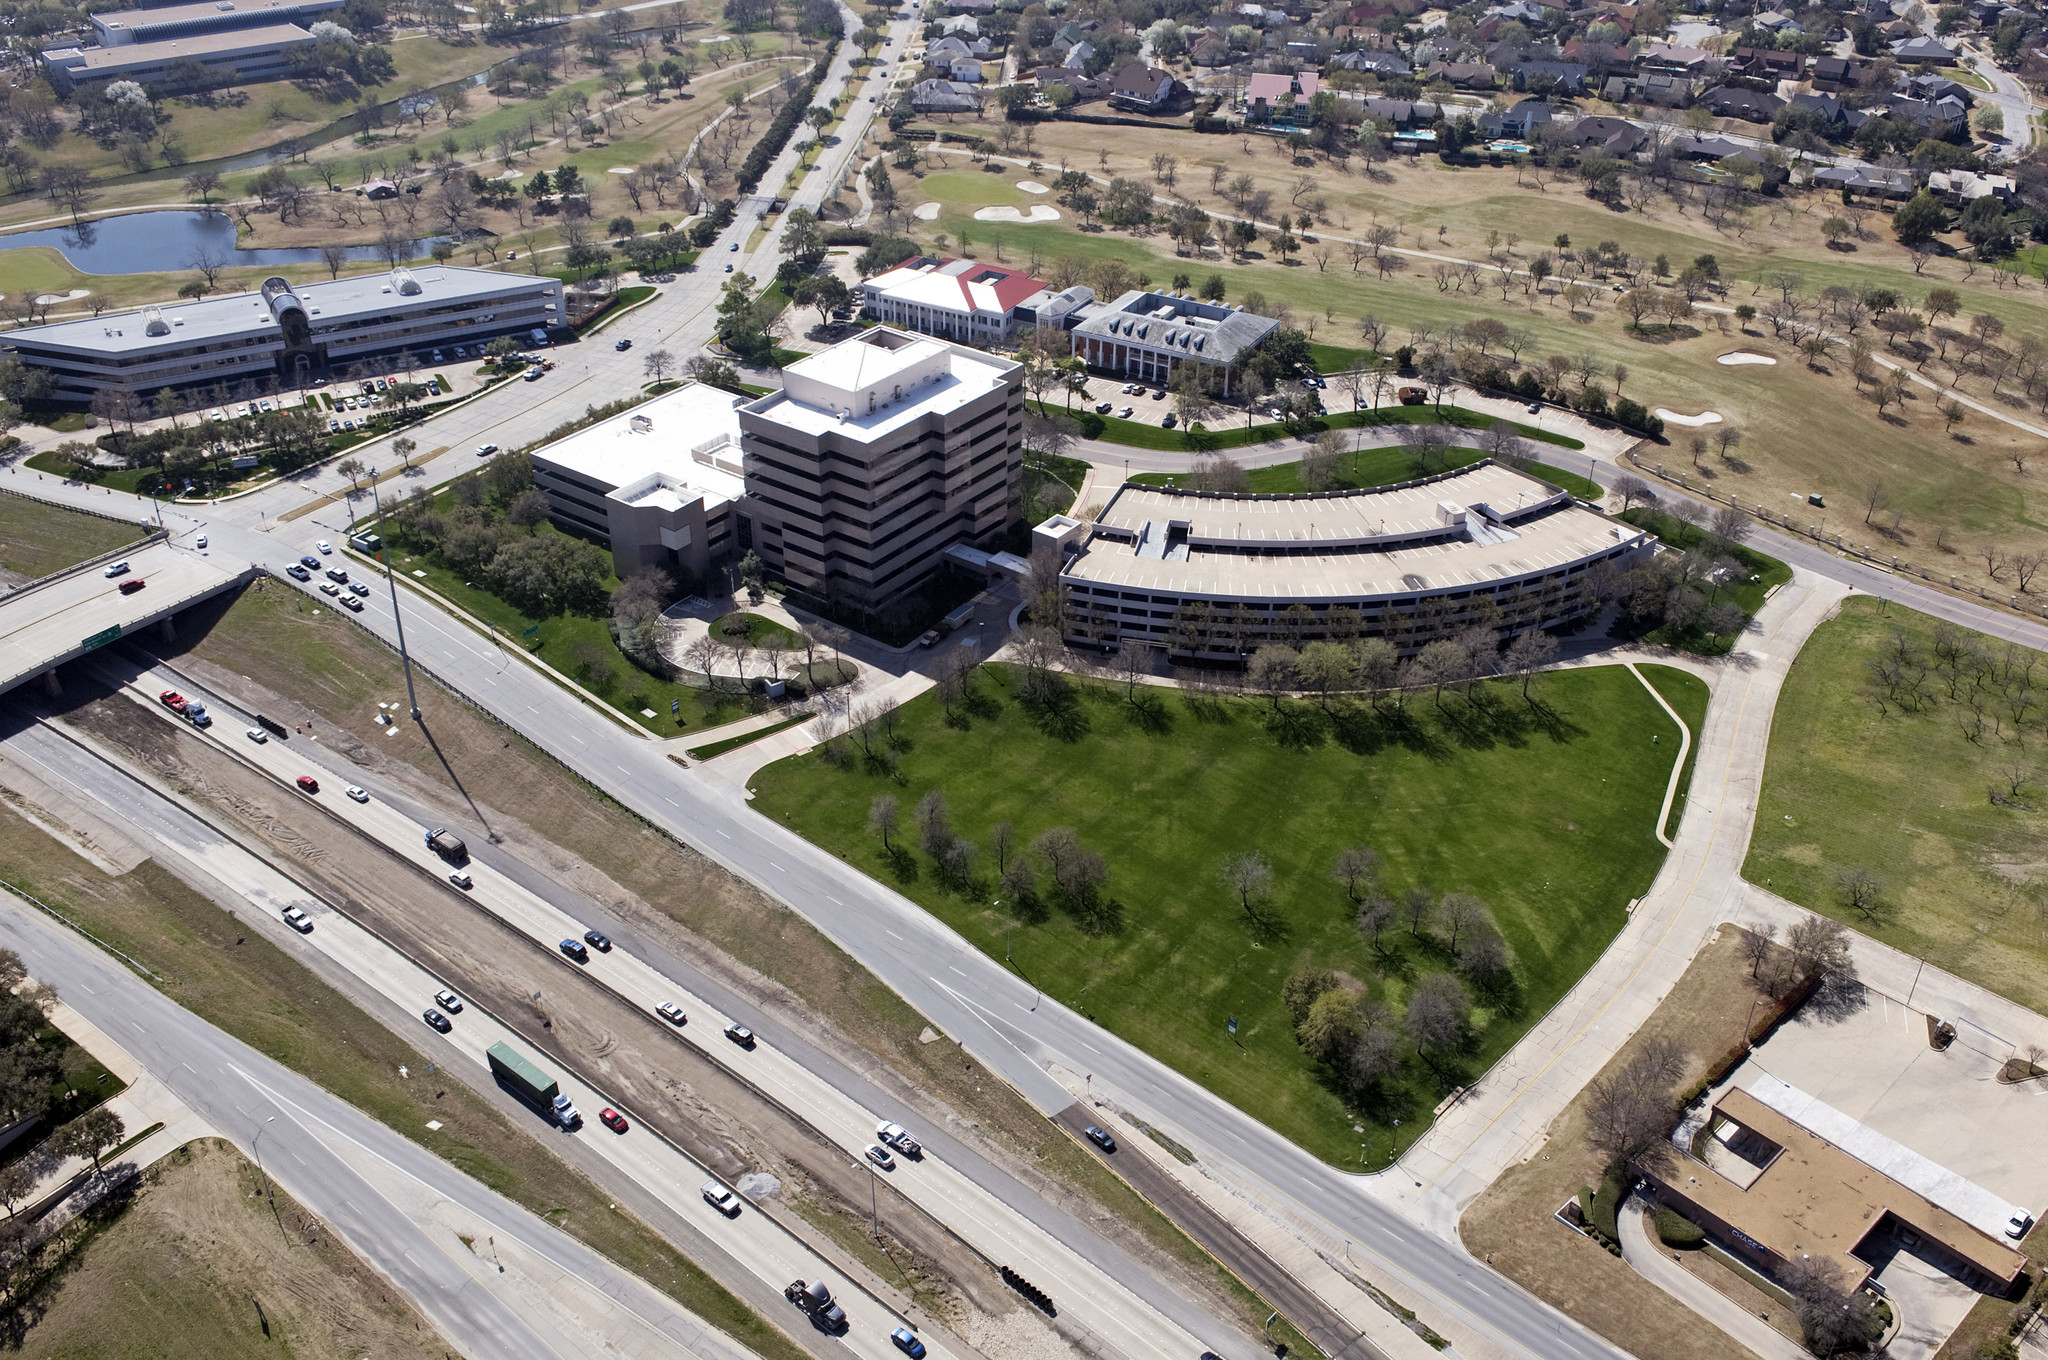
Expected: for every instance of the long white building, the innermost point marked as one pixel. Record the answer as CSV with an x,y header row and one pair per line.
x,y
291,334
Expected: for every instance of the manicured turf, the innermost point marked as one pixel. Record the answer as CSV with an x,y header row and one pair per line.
x,y
1760,575
1140,435
1547,812
1365,468
1853,784
37,538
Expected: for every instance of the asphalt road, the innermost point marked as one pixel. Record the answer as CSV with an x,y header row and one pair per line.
x,y
396,1205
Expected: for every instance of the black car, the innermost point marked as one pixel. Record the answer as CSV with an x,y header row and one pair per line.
x,y
740,1034
596,940
575,950
309,561
1100,1139
623,345
436,1019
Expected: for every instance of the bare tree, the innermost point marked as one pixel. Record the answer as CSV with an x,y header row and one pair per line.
x,y
1629,1107
1250,876
1458,916
1863,893
1375,914
1758,944
1358,869
883,816
1821,947
1631,489
1439,1011
1832,1319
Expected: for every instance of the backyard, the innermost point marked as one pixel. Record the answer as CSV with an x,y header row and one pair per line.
x,y
1543,808
1912,755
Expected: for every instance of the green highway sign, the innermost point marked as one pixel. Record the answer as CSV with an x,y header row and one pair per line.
x,y
101,638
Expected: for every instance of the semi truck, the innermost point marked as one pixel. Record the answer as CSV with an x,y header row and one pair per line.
x,y
447,845
530,1084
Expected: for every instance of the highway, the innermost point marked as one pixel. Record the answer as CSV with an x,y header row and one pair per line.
x,y
1085,1293
399,1207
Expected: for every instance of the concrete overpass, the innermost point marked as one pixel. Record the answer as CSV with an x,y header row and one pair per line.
x,y
62,617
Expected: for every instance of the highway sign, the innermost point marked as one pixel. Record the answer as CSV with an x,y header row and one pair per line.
x,y
101,638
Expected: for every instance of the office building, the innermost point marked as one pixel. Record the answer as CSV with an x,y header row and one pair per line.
x,y
965,300
1145,335
127,26
875,457
1215,576
658,485
284,333
236,57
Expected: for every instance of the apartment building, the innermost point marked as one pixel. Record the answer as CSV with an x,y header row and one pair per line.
x,y
291,334
876,456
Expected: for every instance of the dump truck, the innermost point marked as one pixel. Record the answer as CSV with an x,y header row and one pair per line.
x,y
526,1080
447,845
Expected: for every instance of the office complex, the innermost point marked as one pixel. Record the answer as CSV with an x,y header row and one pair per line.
x,y
291,335
875,457
1145,335
965,300
658,485
1213,576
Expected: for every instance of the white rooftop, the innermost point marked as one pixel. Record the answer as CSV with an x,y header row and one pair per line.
x,y
1925,1177
663,452
880,380
243,314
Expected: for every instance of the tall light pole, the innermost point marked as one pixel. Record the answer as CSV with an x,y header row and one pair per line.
x,y
412,701
256,1148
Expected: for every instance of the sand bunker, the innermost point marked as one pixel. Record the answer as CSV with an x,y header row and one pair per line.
x,y
1743,356
620,170
926,212
1038,213
1703,418
1032,186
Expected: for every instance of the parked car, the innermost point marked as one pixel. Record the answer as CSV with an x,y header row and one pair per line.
x,y
130,587
575,950
448,1001
308,784
298,920
596,940
2019,1225
612,1119
257,735
1103,408
1126,412
1100,1139
721,1199
117,569
1159,394
436,1019
907,1342
740,1034
1167,421
356,793
671,1012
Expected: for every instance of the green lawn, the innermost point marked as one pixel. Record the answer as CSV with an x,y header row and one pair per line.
x,y
37,538
1760,575
1363,468
1546,811
1856,781
1140,435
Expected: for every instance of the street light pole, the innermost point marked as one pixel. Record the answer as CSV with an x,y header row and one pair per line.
x,y
412,701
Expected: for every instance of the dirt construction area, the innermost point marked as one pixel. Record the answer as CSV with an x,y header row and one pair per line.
x,y
656,1073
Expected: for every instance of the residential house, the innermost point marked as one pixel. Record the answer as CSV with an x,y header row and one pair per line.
x,y
1771,21
1935,87
1962,186
1866,179
1085,87
1766,63
944,96
1618,89
1520,121
1827,106
957,59
960,23
1401,113
1936,118
1386,65
1923,49
1688,148
1077,55
1752,106
1141,88
1610,136
1833,74
1561,77
1685,61
1665,90
1272,95
1466,75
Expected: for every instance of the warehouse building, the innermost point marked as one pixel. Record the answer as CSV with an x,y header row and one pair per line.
x,y
294,335
876,456
1214,576
658,485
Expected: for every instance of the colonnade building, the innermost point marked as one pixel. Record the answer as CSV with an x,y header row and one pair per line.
x,y
1213,576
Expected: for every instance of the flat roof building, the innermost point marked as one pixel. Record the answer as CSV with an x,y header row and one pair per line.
x,y
1782,1175
126,26
965,300
236,56
876,456
290,334
1146,335
658,485
1213,576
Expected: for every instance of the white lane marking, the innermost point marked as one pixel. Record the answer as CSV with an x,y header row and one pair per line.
x,y
721,833
777,867
833,900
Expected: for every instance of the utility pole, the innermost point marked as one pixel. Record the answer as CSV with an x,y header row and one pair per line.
x,y
412,701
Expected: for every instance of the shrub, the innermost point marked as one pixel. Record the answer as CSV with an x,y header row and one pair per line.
x,y
1602,1206
1676,1230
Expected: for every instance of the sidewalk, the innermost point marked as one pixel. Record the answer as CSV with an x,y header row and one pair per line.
x,y
1503,1117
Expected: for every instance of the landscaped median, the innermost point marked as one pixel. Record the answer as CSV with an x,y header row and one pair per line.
x,y
1541,809
1139,435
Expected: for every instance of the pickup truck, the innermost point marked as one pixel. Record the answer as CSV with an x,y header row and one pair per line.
x,y
447,845
816,1299
898,1137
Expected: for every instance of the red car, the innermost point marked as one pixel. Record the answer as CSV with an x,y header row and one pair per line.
x,y
130,587
308,784
612,1119
172,700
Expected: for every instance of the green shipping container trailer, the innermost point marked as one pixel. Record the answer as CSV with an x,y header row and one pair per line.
x,y
518,1071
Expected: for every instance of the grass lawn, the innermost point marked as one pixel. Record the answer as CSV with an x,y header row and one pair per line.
x,y
1851,783
1051,484
1137,434
1545,811
1363,468
1337,359
37,539
1760,575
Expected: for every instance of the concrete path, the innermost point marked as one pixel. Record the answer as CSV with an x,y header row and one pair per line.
x,y
1503,1117
1651,1259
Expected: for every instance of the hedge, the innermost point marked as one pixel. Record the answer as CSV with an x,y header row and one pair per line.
x,y
777,136
1676,1230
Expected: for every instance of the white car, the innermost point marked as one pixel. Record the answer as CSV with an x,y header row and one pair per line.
x,y
448,1001
298,920
721,1199
325,547
1125,414
361,797
461,879
118,569
200,541
258,735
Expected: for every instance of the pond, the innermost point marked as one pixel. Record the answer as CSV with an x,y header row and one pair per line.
x,y
158,242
